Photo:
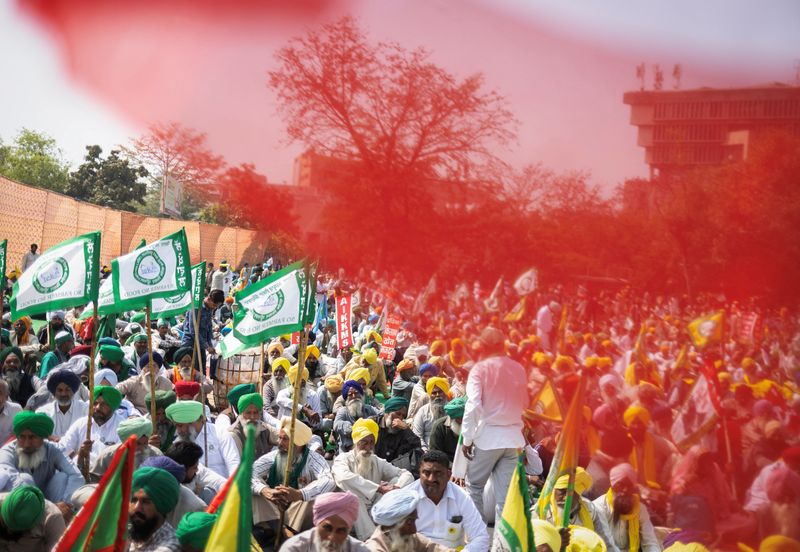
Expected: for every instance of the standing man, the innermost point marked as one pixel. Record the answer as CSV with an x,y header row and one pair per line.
x,y
222,278
30,257
546,326
206,332
492,424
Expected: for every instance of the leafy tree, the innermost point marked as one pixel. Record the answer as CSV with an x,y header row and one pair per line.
x,y
110,182
35,159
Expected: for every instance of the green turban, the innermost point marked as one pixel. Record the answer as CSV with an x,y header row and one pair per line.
x,y
180,353
159,485
455,408
162,322
138,318
394,404
111,353
22,508
184,412
139,426
10,350
108,394
195,528
247,400
163,399
136,337
40,424
240,390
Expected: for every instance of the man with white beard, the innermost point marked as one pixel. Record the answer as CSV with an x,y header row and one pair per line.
x,y
396,517
251,408
21,385
189,420
105,419
366,475
31,457
309,477
136,388
277,382
439,392
139,426
66,407
307,404
334,515
354,410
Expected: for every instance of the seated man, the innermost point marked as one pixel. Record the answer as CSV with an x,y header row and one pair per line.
x,y
365,475
139,426
583,512
328,393
546,536
396,517
65,407
194,529
199,479
8,409
64,342
445,431
154,494
28,522
111,356
307,403
310,476
165,429
277,381
30,456
438,390
190,422
136,388
625,515
354,410
334,515
396,442
187,500
21,385
419,393
446,513
105,420
229,414
250,409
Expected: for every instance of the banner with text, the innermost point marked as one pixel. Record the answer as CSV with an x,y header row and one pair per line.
x,y
344,312
390,336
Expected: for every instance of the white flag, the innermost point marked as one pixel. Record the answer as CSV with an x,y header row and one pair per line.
x,y
492,303
65,276
160,269
105,300
164,307
527,282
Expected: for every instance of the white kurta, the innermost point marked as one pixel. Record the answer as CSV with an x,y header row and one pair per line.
x,y
64,420
102,436
222,462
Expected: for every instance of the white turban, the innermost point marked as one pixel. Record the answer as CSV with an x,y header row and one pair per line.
x,y
106,374
394,507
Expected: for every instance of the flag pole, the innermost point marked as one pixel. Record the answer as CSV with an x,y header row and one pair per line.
x,y
725,434
196,350
568,499
151,364
85,467
261,371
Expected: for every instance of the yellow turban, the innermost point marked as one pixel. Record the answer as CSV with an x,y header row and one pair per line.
x,y
604,362
691,547
272,346
359,374
541,359
778,543
583,481
376,335
292,374
582,539
591,361
364,427
441,383
370,355
438,347
281,362
312,350
334,383
406,364
636,412
302,433
545,532
748,362
563,362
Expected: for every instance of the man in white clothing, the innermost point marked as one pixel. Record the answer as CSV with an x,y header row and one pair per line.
x,y
492,427
546,326
30,257
189,420
66,407
8,409
105,419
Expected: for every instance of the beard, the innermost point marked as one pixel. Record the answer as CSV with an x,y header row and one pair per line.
x,y
437,408
100,418
355,407
191,437
398,542
279,384
64,401
623,505
327,546
302,398
364,463
186,373
29,461
14,379
140,527
389,428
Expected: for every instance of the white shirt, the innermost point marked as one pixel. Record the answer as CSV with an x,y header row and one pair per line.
x,y
7,414
757,493
102,435
498,394
316,472
435,521
63,421
284,401
219,460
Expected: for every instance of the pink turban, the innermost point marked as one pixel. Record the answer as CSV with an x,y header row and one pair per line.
x,y
621,473
344,505
783,485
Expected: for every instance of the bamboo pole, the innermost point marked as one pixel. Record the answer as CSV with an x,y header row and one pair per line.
x,y
153,416
261,371
85,467
568,499
196,349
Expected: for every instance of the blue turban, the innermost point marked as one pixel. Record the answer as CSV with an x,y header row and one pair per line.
x,y
167,464
63,375
354,384
157,359
428,367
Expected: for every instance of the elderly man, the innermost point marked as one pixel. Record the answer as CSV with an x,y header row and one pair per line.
x,y
328,393
377,374
251,409
446,515
396,442
154,494
31,456
136,388
200,480
21,385
625,515
105,420
438,391
66,407
24,337
445,431
307,403
55,324
582,512
277,381
334,516
29,522
228,416
190,421
354,410
194,529
64,342
492,426
165,429
652,454
139,426
136,349
112,356
309,477
365,475
419,394
8,409
396,517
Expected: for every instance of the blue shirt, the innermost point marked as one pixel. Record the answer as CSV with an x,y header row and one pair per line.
x,y
206,334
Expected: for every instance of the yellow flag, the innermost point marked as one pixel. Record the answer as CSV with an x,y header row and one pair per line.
x,y
546,405
516,314
707,330
514,530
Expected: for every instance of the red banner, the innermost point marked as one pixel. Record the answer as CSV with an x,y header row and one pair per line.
x,y
390,336
344,330
296,338
748,328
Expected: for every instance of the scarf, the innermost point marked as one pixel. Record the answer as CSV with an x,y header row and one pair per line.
x,y
632,519
649,453
583,512
274,478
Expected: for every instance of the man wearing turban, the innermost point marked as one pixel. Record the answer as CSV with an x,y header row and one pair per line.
x,y
377,374
354,409
397,443
64,341
32,456
367,476
330,391
307,403
194,529
419,394
142,429
188,501
438,390
405,378
21,385
165,429
166,339
106,417
29,521
277,381
333,516
24,337
653,457
309,476
189,419
65,406
583,512
136,348
251,408
110,355
396,517
136,388
445,430
625,515
229,414
154,494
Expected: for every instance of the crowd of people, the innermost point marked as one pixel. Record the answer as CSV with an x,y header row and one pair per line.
x,y
414,449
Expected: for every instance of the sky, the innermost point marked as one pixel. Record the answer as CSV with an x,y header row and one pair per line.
x,y
90,72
